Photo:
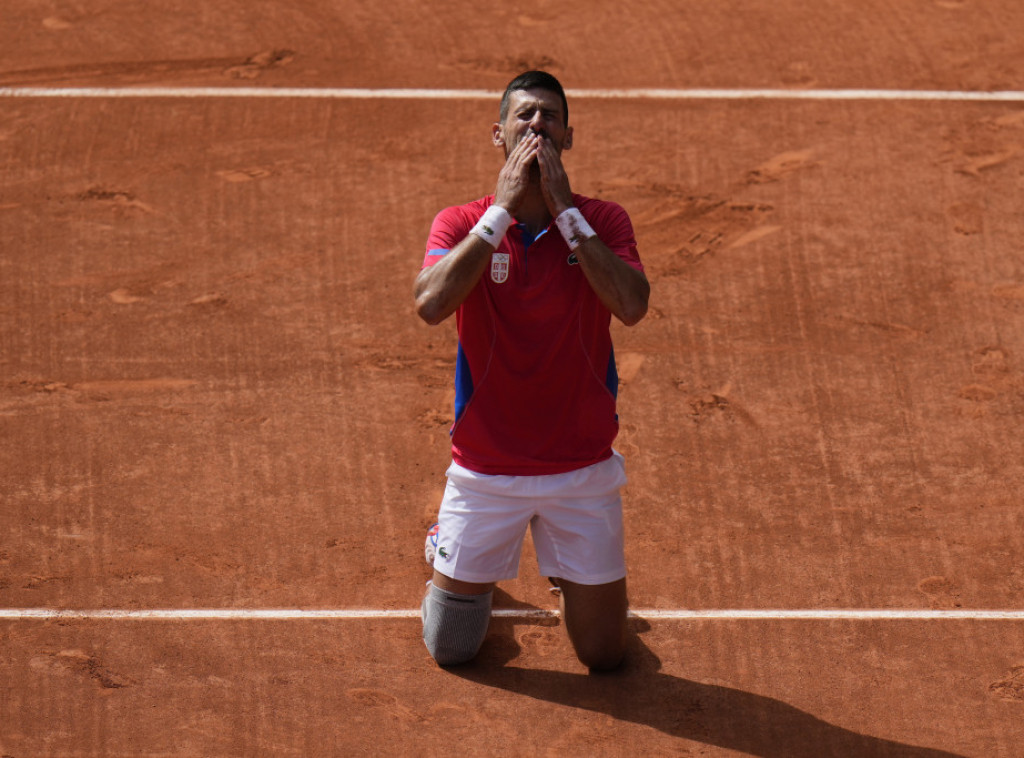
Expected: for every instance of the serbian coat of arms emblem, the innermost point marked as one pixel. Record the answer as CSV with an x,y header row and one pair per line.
x,y
499,267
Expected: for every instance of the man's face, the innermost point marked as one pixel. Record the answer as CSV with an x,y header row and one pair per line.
x,y
533,110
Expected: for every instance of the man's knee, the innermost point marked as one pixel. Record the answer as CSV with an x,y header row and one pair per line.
x,y
601,647
601,657
595,618
454,625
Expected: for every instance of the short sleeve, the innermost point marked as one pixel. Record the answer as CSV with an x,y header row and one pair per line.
x,y
611,223
449,228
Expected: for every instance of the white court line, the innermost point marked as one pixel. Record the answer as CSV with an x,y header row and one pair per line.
x,y
471,94
284,614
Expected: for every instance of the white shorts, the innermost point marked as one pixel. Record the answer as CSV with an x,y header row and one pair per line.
x,y
575,518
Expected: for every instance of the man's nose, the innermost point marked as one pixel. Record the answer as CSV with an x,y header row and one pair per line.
x,y
537,123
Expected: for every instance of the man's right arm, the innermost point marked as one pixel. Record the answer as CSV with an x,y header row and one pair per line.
x,y
441,288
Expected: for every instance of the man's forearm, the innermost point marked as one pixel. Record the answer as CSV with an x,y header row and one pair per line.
x,y
440,289
621,288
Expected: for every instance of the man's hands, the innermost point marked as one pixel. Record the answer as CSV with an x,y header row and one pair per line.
x,y
516,175
514,178
554,182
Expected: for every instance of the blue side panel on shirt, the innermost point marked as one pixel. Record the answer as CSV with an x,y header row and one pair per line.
x,y
463,384
611,379
438,251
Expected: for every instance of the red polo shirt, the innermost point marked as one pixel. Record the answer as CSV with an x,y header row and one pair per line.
x,y
535,378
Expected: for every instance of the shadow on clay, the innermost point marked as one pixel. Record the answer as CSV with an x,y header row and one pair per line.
x,y
711,714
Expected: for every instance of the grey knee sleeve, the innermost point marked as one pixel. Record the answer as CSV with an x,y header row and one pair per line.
x,y
454,625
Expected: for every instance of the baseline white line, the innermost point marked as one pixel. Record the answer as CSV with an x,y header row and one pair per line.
x,y
274,614
253,92
837,615
354,93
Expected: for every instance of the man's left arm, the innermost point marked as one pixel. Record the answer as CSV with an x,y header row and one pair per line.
x,y
622,289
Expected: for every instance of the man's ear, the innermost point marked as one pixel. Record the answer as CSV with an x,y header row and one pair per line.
x,y
567,142
497,137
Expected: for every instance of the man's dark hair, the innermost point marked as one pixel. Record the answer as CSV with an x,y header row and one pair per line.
x,y
534,80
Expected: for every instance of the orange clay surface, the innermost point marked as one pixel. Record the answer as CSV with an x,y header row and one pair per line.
x,y
214,392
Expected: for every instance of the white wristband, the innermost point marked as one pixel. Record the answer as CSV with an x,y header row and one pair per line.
x,y
492,225
574,228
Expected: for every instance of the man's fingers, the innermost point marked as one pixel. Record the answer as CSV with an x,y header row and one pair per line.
x,y
526,150
549,155
549,160
554,180
513,179
519,160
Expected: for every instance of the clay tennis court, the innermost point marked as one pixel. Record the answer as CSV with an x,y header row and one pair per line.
x,y
223,430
